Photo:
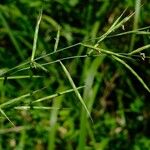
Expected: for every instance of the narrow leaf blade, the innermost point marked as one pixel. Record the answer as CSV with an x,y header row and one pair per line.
x,y
75,89
133,72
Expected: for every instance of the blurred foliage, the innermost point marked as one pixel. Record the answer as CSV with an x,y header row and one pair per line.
x,y
118,103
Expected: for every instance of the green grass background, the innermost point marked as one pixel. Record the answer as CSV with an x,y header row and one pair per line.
x,y
118,102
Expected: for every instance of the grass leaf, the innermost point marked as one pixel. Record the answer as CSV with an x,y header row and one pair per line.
x,y
140,49
3,113
75,89
57,39
36,36
55,95
133,72
19,77
135,22
35,107
111,29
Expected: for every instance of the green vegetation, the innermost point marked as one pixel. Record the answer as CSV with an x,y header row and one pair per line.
x,y
74,75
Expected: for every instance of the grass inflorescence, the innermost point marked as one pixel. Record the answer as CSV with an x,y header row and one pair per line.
x,y
74,90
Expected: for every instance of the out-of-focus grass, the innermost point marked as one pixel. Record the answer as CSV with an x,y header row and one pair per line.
x,y
38,97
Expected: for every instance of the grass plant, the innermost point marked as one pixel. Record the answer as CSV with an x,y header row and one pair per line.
x,y
40,89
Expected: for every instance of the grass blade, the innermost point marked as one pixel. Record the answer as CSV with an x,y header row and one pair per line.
x,y
110,29
140,49
75,89
35,107
19,77
57,39
116,26
54,122
100,50
89,96
3,113
18,99
55,95
13,101
135,24
133,72
36,36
